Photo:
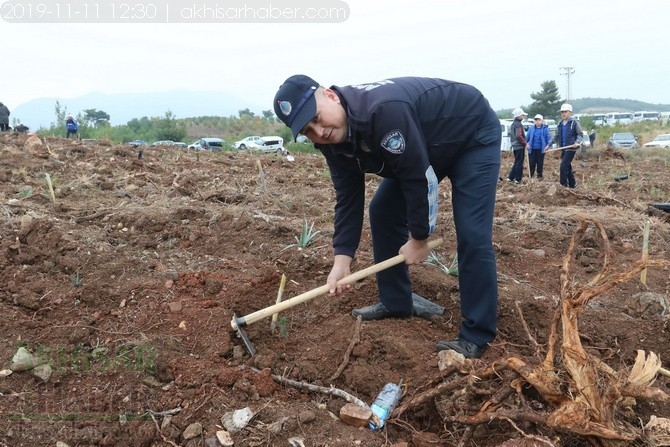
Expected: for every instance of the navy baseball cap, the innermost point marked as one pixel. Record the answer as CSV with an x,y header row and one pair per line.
x,y
294,102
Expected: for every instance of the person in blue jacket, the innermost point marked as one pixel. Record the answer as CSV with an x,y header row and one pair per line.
x,y
569,136
413,132
71,126
538,139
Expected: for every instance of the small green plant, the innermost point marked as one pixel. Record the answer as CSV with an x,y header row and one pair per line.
x,y
283,330
434,260
307,236
25,192
75,279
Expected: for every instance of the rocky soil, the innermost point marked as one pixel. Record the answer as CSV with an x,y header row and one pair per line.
x,y
120,280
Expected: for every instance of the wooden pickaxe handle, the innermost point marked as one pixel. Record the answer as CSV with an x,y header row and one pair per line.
x,y
559,148
238,322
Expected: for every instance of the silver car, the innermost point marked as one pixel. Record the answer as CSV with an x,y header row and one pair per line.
x,y
622,140
208,144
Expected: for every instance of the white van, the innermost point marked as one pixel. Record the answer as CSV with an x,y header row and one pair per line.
x,y
599,119
614,118
506,142
270,144
646,116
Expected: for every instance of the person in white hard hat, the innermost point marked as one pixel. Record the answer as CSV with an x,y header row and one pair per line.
x,y
568,136
518,137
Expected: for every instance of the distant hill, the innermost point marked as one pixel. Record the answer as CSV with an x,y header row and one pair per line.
x,y
603,105
124,107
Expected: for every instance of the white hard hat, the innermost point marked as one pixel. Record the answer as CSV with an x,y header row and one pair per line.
x,y
539,117
567,107
518,112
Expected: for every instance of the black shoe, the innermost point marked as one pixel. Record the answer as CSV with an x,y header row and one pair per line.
x,y
377,312
467,348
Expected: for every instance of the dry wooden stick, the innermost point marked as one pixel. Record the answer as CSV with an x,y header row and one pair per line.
x,y
527,329
319,389
431,393
356,338
645,252
280,292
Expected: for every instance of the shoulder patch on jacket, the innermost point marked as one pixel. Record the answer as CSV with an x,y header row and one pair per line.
x,y
394,142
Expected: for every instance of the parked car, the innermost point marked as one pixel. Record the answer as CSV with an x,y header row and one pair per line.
x,y
163,143
180,144
270,144
662,140
137,143
208,144
622,140
247,143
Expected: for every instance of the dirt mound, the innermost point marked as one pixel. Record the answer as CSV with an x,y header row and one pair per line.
x,y
123,277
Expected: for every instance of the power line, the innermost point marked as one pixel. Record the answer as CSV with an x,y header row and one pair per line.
x,y
568,72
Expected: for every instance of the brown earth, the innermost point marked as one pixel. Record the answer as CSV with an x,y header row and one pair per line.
x,y
126,282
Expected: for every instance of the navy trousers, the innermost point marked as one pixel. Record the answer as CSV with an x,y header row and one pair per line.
x,y
516,173
567,177
536,159
474,176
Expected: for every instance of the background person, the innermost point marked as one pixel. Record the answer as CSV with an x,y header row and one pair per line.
x,y
4,118
518,137
72,126
592,138
568,135
538,141
21,128
413,132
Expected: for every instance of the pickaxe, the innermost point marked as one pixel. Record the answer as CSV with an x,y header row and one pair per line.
x,y
559,148
238,323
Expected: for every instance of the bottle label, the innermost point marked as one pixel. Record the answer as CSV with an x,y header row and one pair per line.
x,y
384,405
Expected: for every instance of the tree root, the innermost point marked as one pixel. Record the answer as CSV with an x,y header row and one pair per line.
x,y
572,391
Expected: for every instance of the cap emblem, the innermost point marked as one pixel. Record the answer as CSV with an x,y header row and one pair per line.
x,y
285,107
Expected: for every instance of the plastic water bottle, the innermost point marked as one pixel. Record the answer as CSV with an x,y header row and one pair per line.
x,y
384,404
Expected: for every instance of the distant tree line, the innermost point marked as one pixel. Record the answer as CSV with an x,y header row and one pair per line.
x,y
95,124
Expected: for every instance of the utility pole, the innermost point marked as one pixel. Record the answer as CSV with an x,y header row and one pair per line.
x,y
568,72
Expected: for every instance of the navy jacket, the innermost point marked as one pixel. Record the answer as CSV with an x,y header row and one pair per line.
x,y
407,129
569,133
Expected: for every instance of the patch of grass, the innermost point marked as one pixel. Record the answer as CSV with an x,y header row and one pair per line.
x,y
434,260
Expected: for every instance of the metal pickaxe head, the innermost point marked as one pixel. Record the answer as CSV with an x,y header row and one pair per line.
x,y
238,324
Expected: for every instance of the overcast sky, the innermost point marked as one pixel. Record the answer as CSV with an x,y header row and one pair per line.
x,y
617,48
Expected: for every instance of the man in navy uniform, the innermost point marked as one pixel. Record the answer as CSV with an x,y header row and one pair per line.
x,y
569,136
413,132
